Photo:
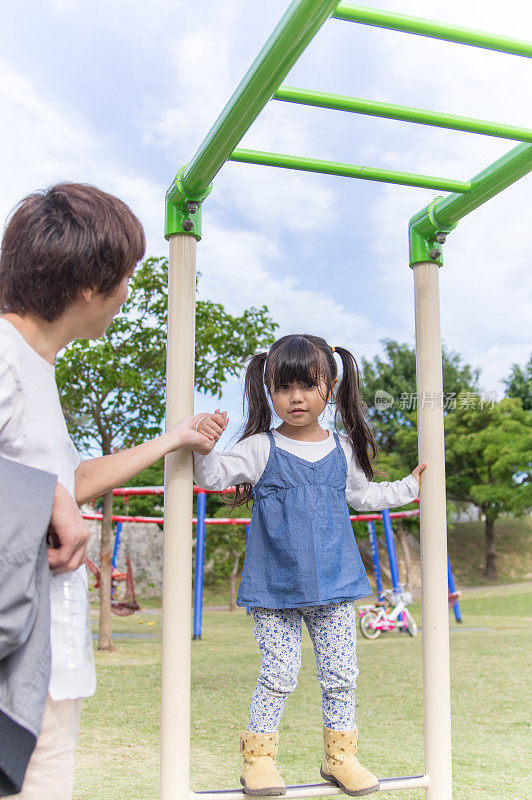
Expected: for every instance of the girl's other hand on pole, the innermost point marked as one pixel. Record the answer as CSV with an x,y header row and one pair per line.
x,y
418,470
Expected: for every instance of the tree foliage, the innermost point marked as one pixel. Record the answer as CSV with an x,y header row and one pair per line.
x,y
519,383
488,462
395,374
113,389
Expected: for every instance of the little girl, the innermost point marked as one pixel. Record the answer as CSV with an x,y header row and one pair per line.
x,y
302,561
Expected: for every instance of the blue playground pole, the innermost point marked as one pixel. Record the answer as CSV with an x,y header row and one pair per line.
x,y
375,556
452,589
200,555
392,555
248,610
114,560
390,546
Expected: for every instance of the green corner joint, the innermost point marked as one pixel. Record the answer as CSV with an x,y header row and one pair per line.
x,y
429,227
426,236
183,210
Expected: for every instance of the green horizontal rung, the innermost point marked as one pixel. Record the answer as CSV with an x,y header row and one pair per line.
x,y
443,214
347,170
404,113
435,30
491,181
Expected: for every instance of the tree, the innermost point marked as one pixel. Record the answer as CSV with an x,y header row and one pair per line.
x,y
519,383
112,390
488,462
395,375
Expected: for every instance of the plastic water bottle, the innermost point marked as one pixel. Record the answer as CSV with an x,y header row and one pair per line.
x,y
73,674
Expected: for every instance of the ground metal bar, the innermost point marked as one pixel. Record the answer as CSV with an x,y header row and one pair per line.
x,y
294,32
316,789
347,170
422,116
435,30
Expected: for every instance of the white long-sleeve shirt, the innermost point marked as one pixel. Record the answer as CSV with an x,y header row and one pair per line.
x,y
33,432
246,462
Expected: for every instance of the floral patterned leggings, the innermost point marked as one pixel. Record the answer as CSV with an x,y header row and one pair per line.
x,y
332,629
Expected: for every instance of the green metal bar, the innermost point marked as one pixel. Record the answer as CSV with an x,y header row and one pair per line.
x,y
492,180
443,214
435,30
405,113
295,30
347,170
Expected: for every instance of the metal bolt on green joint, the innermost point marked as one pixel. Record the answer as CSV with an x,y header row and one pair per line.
x,y
183,211
426,236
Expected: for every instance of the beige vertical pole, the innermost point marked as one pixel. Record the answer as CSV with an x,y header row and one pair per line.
x,y
175,713
436,664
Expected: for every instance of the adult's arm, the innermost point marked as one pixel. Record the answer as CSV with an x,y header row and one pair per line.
x,y
96,476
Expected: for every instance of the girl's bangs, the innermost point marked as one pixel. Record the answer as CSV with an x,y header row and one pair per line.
x,y
297,360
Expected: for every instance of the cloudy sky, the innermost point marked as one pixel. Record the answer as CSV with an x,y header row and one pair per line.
x,y
120,94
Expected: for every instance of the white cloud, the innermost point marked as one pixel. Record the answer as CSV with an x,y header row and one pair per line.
x,y
484,298
47,142
187,65
235,271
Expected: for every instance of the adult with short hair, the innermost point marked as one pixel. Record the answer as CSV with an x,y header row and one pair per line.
x,y
67,257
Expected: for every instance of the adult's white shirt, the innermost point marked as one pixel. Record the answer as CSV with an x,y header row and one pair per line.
x,y
33,432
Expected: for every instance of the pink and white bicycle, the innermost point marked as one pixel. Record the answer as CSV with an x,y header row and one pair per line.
x,y
379,617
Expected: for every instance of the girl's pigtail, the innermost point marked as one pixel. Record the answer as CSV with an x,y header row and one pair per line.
x,y
259,415
351,408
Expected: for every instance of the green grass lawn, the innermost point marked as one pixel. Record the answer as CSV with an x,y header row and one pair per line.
x,y
118,746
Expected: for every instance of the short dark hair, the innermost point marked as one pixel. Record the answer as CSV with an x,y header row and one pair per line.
x,y
60,241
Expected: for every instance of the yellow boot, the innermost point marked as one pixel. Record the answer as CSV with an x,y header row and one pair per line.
x,y
260,777
341,766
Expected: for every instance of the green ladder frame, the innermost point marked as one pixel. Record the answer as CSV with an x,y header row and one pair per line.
x,y
428,230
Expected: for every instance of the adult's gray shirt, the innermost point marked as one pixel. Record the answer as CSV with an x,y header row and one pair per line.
x,y
26,497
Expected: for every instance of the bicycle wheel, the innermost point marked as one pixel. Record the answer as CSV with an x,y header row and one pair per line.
x,y
369,618
412,627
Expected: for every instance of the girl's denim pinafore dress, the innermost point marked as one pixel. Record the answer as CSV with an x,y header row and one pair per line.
x,y
301,548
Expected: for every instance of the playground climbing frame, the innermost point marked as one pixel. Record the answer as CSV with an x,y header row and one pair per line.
x,y
428,230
